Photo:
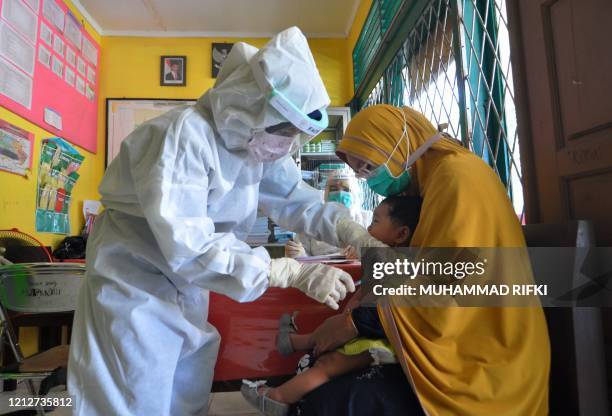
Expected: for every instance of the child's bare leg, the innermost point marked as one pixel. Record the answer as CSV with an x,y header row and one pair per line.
x,y
327,367
301,342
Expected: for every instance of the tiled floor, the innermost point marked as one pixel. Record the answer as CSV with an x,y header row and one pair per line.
x,y
232,403
220,404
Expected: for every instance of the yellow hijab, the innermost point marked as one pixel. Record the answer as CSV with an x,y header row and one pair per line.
x,y
460,361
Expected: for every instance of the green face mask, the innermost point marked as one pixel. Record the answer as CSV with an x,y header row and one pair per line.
x,y
384,183
343,197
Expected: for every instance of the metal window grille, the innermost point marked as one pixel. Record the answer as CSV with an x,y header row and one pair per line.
x,y
454,67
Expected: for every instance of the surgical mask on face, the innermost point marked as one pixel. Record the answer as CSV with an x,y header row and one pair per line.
x,y
266,147
342,197
382,181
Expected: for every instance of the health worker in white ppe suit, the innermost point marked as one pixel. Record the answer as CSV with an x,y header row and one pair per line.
x,y
341,187
180,198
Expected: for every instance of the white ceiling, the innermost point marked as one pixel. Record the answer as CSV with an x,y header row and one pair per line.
x,y
218,18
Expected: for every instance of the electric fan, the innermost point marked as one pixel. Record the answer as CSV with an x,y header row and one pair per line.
x,y
20,247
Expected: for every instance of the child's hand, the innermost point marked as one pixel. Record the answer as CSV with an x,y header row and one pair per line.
x,y
350,252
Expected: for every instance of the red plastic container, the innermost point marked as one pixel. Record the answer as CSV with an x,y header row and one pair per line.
x,y
248,330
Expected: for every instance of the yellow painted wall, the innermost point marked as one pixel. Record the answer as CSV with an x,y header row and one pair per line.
x,y
131,66
18,194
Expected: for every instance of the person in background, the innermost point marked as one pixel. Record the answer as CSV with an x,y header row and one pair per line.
x,y
342,187
393,223
180,199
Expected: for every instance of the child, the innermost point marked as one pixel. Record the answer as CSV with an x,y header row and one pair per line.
x,y
393,223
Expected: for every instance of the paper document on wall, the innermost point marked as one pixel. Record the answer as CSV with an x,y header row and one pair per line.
x,y
34,5
21,17
15,84
54,14
16,50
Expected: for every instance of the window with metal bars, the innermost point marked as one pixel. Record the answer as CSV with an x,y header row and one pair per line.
x,y
453,65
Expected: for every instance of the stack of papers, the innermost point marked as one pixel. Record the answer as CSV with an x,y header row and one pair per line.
x,y
334,258
260,233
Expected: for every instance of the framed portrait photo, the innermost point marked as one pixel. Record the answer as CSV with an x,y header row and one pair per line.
x,y
173,71
219,53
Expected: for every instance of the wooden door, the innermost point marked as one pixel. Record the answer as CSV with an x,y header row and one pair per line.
x,y
562,64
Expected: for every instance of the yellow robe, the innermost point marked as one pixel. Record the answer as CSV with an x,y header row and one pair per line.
x,y
460,361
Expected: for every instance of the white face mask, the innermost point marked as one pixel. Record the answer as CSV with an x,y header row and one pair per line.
x,y
266,147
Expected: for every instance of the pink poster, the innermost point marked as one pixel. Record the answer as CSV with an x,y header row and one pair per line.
x,y
49,69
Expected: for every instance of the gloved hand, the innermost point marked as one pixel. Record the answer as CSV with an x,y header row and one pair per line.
x,y
350,252
354,234
294,249
323,283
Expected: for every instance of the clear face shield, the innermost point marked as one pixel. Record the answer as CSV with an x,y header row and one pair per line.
x,y
276,141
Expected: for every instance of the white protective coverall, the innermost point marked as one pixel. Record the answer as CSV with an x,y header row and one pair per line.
x,y
180,198
303,245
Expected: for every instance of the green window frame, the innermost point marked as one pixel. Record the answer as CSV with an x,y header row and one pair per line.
x,y
450,60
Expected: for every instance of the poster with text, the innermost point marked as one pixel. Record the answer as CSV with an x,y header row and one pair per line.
x,y
15,148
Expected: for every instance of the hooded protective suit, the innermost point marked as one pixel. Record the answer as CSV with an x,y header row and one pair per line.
x,y
308,246
180,199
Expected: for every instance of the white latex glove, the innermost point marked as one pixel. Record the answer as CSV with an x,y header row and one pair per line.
x,y
350,252
323,283
354,234
294,249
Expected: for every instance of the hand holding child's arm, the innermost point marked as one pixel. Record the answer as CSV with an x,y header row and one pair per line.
x,y
334,332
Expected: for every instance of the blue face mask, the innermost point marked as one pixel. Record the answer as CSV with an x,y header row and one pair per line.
x,y
342,197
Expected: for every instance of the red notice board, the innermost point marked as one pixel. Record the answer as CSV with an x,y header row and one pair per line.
x,y
49,68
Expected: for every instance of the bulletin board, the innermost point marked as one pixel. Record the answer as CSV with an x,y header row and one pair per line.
x,y
124,115
49,72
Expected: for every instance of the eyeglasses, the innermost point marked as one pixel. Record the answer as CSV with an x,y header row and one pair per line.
x,y
285,129
363,170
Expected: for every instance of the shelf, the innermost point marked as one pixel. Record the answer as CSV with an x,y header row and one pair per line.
x,y
320,155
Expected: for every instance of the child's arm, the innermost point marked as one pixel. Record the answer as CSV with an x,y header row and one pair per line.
x,y
354,301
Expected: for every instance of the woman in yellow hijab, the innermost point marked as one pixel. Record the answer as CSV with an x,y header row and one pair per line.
x,y
460,361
